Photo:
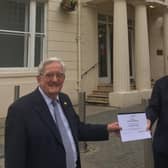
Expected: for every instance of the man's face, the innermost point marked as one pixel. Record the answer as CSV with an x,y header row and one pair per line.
x,y
51,81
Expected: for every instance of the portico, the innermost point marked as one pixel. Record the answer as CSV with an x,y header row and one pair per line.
x,y
131,60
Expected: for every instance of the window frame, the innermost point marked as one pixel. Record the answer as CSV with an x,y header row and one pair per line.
x,y
30,35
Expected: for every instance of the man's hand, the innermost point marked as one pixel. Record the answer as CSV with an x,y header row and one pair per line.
x,y
113,127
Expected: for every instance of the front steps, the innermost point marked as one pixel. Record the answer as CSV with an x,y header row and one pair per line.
x,y
100,95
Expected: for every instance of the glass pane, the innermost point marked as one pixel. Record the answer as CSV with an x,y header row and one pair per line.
x,y
38,50
111,49
130,52
101,17
12,15
39,29
12,51
110,19
40,18
102,50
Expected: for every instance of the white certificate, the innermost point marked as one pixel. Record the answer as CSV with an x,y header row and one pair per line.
x,y
133,126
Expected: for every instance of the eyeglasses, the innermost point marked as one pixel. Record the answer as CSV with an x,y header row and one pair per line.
x,y
51,75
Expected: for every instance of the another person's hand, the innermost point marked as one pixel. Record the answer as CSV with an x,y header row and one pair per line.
x,y
148,127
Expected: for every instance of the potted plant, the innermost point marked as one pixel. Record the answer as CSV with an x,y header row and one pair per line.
x,y
68,5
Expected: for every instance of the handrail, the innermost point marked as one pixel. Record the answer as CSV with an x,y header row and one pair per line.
x,y
86,72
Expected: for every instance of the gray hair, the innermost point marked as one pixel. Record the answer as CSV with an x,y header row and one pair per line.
x,y
47,61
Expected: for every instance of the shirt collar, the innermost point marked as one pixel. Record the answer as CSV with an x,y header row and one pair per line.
x,y
47,99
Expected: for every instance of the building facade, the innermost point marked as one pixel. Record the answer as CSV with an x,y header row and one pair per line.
x,y
116,42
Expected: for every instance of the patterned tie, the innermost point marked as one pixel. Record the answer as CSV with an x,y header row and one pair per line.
x,y
70,157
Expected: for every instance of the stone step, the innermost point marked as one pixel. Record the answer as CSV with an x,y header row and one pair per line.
x,y
100,92
98,96
104,87
97,99
105,102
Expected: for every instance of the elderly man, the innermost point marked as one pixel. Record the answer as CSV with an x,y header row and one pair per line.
x,y
42,128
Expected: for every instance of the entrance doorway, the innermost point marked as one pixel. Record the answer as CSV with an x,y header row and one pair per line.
x,y
105,49
105,52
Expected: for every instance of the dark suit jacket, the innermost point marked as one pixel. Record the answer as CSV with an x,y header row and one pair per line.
x,y
31,136
158,109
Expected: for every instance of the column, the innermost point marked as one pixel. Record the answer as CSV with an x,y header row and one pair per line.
x,y
142,60
165,41
121,80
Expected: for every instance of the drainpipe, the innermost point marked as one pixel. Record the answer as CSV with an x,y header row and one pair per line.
x,y
79,46
81,94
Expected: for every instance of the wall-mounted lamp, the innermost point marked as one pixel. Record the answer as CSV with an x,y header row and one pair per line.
x,y
151,6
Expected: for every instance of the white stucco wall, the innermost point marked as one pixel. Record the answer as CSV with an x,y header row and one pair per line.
x,y
156,43
8,81
62,35
61,42
89,48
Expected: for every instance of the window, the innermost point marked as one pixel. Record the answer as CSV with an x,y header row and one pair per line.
x,y
22,33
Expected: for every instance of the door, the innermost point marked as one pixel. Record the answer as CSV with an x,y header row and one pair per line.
x,y
105,48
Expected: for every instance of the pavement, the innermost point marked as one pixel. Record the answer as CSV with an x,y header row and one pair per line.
x,y
112,153
103,154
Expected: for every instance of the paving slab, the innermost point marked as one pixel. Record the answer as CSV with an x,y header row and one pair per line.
x,y
112,153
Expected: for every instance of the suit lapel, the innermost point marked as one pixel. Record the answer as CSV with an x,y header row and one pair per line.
x,y
42,109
